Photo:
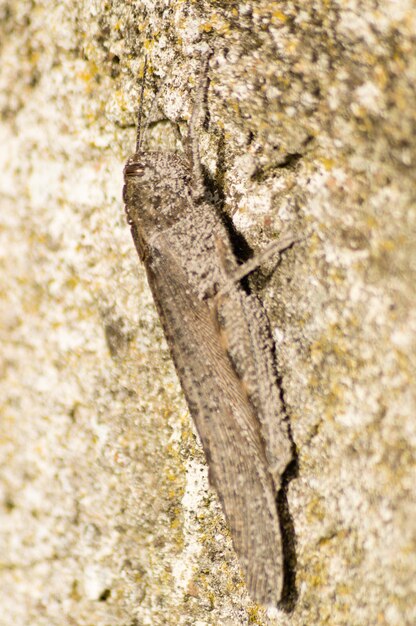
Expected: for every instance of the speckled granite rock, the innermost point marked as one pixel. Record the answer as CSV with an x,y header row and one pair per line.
x,y
106,517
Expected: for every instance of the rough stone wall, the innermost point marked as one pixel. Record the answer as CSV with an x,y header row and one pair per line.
x,y
105,512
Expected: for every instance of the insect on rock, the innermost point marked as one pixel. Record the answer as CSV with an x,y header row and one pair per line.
x,y
220,342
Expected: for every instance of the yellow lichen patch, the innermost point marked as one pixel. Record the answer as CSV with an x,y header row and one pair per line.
x,y
333,539
405,365
206,28
34,57
387,245
255,615
175,523
216,23
317,574
336,275
278,16
315,510
291,47
89,73
170,476
327,163
334,399
371,221
381,76
235,106
72,282
344,590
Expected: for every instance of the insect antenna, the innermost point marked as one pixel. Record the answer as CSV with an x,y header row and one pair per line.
x,y
139,137
154,102
142,134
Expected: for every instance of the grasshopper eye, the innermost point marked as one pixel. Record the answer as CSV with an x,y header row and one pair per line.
x,y
134,169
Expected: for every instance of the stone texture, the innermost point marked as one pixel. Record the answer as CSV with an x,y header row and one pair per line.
x,y
106,516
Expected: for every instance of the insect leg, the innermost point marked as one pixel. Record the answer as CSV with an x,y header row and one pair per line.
x,y
276,247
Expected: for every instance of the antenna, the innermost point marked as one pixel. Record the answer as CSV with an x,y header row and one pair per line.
x,y
139,137
154,102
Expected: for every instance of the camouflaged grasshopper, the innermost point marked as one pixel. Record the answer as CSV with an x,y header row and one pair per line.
x,y
220,341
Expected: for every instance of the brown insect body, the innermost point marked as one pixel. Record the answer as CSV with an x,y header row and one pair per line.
x,y
222,352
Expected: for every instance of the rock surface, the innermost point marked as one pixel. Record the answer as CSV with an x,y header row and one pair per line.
x,y
105,511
